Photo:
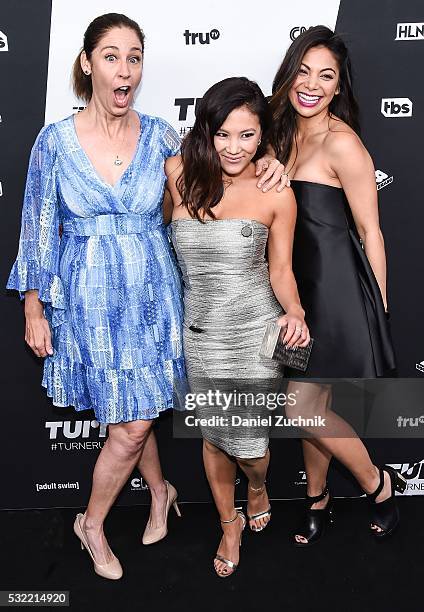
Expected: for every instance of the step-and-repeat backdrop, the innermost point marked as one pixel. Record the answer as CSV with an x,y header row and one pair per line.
x,y
47,453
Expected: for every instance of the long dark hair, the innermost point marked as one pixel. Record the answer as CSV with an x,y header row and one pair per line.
x,y
201,185
81,82
343,106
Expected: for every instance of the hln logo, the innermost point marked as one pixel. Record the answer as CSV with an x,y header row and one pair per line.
x,y
204,39
4,45
410,31
396,107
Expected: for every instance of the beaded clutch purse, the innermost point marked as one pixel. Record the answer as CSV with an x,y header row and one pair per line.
x,y
273,348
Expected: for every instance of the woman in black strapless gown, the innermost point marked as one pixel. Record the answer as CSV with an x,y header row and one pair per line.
x,y
338,289
343,295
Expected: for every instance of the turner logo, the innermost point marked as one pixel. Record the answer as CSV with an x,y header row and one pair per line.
x,y
204,39
75,429
396,107
4,45
410,31
413,474
382,179
184,104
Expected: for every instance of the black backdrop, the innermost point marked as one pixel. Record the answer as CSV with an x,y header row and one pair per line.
x,y
47,452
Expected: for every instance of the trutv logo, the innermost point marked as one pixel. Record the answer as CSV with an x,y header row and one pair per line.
x,y
204,39
396,107
4,45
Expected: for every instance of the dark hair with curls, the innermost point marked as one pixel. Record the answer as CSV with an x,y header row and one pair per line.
x,y
81,82
343,106
201,185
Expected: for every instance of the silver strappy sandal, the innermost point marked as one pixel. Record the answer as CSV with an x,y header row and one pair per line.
x,y
233,566
259,515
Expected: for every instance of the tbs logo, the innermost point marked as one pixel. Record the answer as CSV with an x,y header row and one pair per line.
x,y
204,39
396,107
4,46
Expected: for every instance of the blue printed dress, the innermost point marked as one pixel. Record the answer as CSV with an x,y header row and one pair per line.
x,y
109,283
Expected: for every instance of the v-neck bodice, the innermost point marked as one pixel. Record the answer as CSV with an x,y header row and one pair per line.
x,y
93,168
83,193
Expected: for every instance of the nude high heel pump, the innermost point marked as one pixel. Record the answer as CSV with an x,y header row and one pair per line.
x,y
111,570
154,534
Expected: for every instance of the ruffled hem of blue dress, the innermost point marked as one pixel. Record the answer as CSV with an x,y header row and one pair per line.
x,y
28,275
115,395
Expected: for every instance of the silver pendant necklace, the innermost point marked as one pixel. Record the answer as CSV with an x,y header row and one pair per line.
x,y
118,161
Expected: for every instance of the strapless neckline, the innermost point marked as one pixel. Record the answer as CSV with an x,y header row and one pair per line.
x,y
314,183
223,220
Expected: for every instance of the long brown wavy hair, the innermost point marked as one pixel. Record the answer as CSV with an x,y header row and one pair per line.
x,y
200,184
343,106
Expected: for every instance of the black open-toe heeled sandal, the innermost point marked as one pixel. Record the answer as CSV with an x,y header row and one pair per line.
x,y
385,514
314,522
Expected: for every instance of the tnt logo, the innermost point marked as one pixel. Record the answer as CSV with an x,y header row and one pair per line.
x,y
396,107
297,31
204,39
382,179
4,45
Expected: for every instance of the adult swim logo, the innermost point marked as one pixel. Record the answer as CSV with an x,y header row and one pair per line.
x,y
191,38
410,31
396,107
4,45
382,179
420,366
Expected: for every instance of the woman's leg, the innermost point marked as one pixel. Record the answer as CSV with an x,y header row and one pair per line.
x,y
344,444
256,470
151,471
221,473
114,465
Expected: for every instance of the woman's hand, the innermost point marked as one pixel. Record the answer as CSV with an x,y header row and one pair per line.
x,y
295,332
37,330
274,174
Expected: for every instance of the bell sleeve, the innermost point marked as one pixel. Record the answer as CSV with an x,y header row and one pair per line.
x,y
37,262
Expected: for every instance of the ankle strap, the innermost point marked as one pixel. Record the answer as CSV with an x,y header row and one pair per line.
x,y
317,498
259,490
237,511
373,496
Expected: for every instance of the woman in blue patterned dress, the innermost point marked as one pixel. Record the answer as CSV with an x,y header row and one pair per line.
x,y
103,301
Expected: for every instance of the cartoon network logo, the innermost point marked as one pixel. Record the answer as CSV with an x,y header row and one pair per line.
x,y
396,107
410,31
297,31
4,45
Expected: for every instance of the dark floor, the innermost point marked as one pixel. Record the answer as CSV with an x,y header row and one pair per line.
x,y
347,571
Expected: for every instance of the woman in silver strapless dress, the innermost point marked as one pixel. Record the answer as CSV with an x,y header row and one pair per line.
x,y
221,228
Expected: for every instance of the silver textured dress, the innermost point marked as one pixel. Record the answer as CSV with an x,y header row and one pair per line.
x,y
228,300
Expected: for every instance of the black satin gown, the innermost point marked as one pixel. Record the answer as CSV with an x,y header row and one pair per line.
x,y
338,290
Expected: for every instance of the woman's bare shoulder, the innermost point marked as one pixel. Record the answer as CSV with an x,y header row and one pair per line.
x,y
172,165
